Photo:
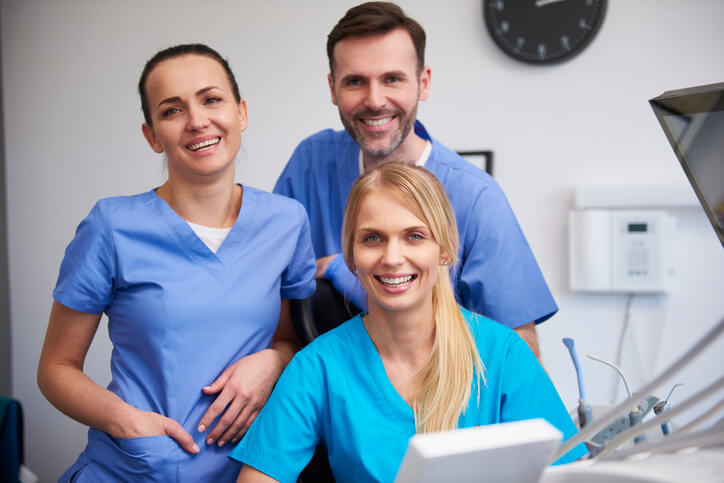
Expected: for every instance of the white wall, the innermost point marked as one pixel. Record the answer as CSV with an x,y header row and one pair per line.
x,y
72,122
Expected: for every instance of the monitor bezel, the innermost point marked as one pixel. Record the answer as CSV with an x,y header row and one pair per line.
x,y
692,100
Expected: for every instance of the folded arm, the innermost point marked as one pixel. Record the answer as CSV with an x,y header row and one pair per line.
x,y
528,333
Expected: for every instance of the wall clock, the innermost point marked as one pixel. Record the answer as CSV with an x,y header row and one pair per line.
x,y
543,31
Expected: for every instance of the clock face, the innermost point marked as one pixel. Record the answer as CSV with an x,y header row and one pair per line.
x,y
543,31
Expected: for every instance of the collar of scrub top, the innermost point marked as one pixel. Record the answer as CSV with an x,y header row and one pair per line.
x,y
212,237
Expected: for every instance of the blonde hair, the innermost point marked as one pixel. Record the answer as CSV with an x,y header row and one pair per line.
x,y
444,383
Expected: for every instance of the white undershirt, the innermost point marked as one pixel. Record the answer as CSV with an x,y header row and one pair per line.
x,y
420,162
212,237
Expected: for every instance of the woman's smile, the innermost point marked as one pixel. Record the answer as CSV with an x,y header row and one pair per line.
x,y
396,283
197,122
205,145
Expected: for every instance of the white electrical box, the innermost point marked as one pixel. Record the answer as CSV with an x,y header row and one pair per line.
x,y
625,251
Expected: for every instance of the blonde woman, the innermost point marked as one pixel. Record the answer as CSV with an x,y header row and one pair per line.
x,y
415,363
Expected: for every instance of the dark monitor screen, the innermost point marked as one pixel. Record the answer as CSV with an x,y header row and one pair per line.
x,y
693,120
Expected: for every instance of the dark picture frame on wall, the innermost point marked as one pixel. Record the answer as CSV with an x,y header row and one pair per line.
x,y
481,159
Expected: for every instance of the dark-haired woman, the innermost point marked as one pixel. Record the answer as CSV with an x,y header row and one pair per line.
x,y
193,276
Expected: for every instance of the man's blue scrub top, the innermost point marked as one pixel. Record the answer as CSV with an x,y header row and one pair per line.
x,y
178,315
497,275
336,390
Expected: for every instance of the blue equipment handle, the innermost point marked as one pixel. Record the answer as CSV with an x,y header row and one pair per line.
x,y
585,412
568,342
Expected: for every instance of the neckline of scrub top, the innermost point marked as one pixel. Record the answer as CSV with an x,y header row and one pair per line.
x,y
420,161
376,368
191,241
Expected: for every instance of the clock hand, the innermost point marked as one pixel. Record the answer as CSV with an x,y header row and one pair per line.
x,y
543,3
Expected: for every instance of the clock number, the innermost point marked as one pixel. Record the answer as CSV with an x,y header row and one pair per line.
x,y
583,24
498,5
504,26
519,43
565,42
542,51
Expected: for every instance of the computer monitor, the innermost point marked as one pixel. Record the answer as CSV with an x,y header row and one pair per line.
x,y
693,121
499,453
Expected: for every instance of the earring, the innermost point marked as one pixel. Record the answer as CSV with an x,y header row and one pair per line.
x,y
444,262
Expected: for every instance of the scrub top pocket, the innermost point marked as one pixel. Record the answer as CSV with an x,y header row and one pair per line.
x,y
145,459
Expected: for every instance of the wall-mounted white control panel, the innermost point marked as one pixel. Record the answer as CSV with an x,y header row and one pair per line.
x,y
620,250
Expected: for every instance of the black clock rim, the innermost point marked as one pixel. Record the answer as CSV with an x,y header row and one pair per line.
x,y
549,61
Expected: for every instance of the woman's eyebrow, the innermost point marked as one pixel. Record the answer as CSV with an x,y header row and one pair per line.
x,y
366,229
171,100
204,90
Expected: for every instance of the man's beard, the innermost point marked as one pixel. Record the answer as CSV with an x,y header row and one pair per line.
x,y
366,141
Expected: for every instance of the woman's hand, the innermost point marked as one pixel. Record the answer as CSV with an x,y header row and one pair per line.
x,y
245,386
147,423
243,389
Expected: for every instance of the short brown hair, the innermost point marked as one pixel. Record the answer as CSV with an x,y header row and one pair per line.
x,y
376,18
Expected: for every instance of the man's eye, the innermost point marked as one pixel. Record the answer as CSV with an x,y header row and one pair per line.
x,y
354,82
371,239
393,79
212,100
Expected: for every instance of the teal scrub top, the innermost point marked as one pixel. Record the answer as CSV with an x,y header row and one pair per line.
x,y
336,391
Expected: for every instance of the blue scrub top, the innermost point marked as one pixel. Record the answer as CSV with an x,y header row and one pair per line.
x,y
497,276
336,390
178,315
